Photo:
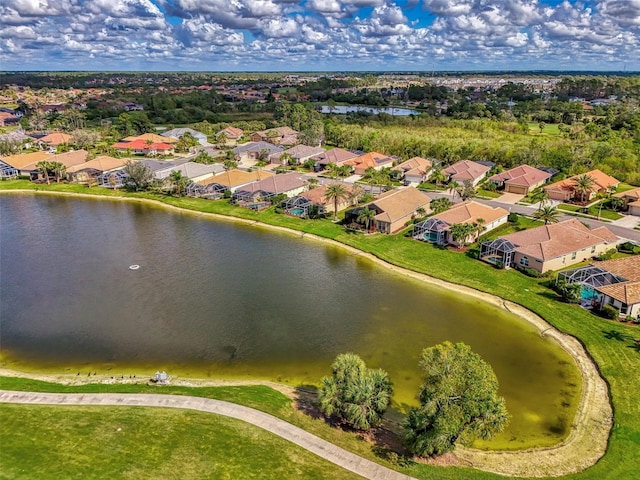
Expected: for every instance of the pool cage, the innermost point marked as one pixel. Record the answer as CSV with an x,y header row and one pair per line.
x,y
258,200
298,206
211,191
590,275
117,179
431,230
498,252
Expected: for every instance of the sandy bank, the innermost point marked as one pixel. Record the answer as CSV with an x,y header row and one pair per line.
x,y
587,440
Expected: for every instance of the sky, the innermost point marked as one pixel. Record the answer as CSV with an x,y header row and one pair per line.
x,y
319,35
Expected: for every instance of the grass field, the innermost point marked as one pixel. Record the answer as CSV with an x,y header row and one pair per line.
x,y
594,211
549,129
611,344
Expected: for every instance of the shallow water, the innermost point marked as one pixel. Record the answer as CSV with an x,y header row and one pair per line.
x,y
217,299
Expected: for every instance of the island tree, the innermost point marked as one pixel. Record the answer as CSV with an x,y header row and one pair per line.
x,y
357,395
458,401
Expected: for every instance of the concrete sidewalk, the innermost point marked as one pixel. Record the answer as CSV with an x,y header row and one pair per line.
x,y
322,448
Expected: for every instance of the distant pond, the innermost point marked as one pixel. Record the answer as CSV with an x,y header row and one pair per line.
x,y
219,299
342,109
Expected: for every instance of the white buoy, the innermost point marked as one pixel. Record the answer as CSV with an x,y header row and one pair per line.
x,y
134,267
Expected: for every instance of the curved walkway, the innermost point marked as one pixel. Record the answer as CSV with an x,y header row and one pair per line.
x,y
322,448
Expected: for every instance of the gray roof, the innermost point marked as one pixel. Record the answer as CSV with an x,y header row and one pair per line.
x,y
15,136
156,165
257,147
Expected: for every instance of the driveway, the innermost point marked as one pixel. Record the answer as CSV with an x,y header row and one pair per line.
x,y
510,198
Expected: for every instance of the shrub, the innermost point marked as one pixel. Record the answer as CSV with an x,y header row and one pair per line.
x,y
607,311
530,272
570,292
513,218
627,247
608,254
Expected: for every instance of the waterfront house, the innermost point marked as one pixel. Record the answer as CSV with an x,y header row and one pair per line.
x,y
437,229
393,209
88,172
566,189
257,195
549,247
466,170
235,179
21,164
520,180
302,204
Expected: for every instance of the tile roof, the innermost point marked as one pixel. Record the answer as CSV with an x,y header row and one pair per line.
x,y
631,195
141,144
23,159
192,169
628,267
234,178
276,184
521,175
369,160
56,138
102,164
70,159
399,203
601,180
178,132
628,292
300,151
470,212
317,195
257,147
415,166
335,155
466,170
558,239
232,132
155,138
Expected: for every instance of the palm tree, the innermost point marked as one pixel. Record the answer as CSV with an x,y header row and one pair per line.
x,y
539,195
336,192
478,226
229,165
438,176
439,205
547,214
466,190
357,192
44,167
460,232
583,185
366,216
177,180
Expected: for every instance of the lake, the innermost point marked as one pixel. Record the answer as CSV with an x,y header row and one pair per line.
x,y
219,299
343,109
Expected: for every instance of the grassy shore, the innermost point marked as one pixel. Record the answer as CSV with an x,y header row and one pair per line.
x,y
611,344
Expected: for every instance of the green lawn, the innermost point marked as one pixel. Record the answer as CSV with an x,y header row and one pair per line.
x,y
488,193
549,128
611,344
593,210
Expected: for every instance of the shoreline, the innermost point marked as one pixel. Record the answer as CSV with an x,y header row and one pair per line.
x,y
588,439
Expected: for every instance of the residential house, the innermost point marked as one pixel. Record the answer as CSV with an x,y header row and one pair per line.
x,y
437,229
256,195
254,151
26,163
235,179
520,180
196,172
301,205
466,170
631,200
144,147
373,160
54,139
278,136
22,164
393,209
88,172
7,119
565,190
298,154
549,247
415,170
229,135
336,156
179,132
151,137
609,282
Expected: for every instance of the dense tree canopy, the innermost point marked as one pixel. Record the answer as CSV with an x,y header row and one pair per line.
x,y
358,395
458,401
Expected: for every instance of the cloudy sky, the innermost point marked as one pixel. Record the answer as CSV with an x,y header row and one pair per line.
x,y
307,35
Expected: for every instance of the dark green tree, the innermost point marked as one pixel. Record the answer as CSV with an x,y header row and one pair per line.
x,y
357,395
458,401
139,175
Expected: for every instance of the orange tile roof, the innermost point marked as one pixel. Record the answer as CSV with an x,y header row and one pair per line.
x,y
369,160
232,132
521,175
317,195
141,144
415,166
470,212
601,181
56,138
335,155
628,267
150,136
102,163
558,239
631,195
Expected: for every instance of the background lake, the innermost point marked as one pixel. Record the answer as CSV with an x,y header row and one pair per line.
x,y
218,299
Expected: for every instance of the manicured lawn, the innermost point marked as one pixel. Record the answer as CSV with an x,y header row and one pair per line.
x,y
594,211
549,129
488,193
611,344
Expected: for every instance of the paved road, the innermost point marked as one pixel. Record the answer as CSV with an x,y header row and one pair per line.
x,y
322,448
623,232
